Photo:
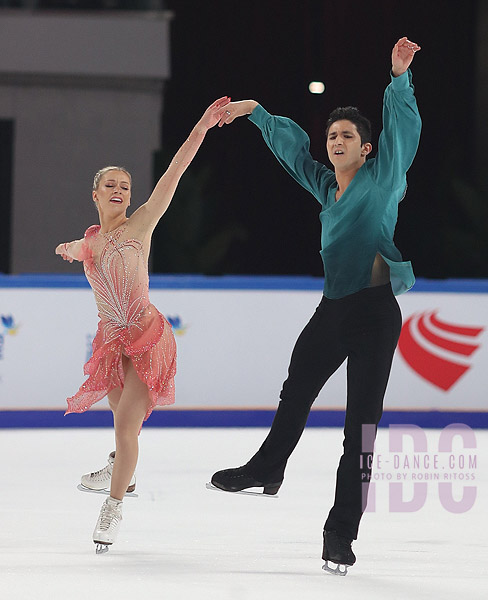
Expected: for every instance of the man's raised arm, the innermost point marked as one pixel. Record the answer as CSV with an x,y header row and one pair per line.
x,y
399,139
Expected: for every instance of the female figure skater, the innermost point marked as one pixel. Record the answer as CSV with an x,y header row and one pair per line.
x,y
358,318
134,351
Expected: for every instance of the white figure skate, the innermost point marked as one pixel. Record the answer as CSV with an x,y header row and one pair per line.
x,y
100,480
108,524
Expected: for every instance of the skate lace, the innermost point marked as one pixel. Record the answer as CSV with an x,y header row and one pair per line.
x,y
108,516
101,473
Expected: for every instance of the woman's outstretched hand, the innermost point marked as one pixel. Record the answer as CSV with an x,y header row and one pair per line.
x,y
237,109
402,55
214,112
62,251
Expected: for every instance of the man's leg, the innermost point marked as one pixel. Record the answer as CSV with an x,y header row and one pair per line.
x,y
373,338
317,354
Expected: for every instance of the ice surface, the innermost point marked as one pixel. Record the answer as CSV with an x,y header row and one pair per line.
x,y
179,540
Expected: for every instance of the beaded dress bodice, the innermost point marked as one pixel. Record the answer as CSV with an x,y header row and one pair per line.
x,y
116,269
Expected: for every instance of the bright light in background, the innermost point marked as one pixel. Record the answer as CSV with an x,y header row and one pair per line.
x,y
316,87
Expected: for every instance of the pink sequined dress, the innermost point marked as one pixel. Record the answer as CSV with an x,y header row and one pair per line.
x,y
129,324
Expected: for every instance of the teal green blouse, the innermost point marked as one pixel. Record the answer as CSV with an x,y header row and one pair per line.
x,y
362,222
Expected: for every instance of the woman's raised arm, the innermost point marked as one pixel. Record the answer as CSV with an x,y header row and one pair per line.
x,y
147,216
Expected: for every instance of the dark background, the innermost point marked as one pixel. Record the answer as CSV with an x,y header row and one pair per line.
x,y
237,211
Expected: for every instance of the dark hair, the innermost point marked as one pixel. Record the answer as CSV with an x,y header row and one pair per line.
x,y
351,113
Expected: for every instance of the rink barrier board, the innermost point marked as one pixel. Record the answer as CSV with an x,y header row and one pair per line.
x,y
25,419
227,416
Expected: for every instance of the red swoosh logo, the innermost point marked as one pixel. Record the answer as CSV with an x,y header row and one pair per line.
x,y
422,334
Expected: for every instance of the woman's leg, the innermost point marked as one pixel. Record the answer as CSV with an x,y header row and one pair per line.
x,y
100,479
130,410
114,399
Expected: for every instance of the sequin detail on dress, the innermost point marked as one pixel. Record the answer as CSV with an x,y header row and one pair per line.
x,y
129,324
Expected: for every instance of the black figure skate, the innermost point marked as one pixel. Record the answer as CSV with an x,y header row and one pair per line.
x,y
238,480
337,550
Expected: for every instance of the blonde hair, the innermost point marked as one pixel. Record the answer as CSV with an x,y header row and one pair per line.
x,y
101,173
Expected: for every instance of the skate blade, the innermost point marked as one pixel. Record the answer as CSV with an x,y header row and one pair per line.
x,y
82,488
337,571
101,548
210,486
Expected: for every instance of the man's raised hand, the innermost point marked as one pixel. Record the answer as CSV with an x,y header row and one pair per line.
x,y
402,55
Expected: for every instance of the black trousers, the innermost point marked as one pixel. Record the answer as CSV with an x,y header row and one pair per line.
x,y
364,328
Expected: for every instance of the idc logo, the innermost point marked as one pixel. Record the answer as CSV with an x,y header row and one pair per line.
x,y
439,352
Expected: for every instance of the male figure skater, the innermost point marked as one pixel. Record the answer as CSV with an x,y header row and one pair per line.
x,y
358,317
